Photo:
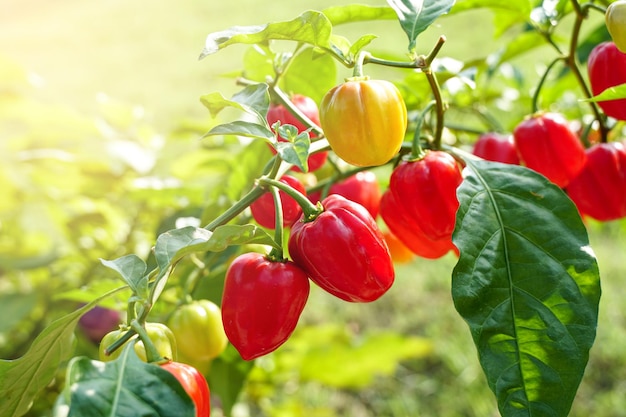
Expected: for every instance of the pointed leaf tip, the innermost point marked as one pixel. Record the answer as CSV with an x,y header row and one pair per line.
x,y
416,16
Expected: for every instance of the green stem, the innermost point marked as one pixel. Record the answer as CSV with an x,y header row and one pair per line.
x,y
152,354
435,51
357,72
310,210
131,312
119,342
276,254
416,150
465,129
581,15
423,62
245,201
593,6
535,102
370,59
282,98
339,176
440,107
236,208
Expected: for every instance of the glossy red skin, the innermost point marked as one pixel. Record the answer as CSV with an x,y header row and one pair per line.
x,y
427,190
278,112
607,68
263,208
343,251
361,188
409,232
194,384
496,147
547,145
599,191
262,303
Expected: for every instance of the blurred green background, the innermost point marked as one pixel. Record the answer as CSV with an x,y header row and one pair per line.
x,y
143,56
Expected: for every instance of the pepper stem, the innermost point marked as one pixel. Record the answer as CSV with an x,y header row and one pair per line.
x,y
416,150
276,254
310,210
119,342
152,354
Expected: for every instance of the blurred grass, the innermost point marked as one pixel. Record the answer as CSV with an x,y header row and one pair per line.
x,y
145,53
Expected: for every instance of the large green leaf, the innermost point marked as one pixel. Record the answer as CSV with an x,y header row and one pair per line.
x,y
527,283
22,379
311,27
417,15
123,387
310,73
358,13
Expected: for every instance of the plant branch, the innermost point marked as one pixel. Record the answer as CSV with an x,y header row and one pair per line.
x,y
581,15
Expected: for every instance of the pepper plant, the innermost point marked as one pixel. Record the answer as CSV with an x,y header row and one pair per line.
x,y
526,281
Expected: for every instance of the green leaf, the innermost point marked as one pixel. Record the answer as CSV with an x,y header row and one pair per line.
x,y
258,63
611,93
296,152
417,15
527,284
173,245
254,96
361,43
310,73
228,376
125,386
132,269
23,378
253,99
242,128
310,27
352,13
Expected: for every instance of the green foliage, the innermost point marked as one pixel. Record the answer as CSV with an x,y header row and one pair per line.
x,y
77,190
416,16
528,285
611,93
125,386
20,381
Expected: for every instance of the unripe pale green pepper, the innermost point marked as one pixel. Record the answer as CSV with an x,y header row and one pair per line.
x,y
616,23
159,334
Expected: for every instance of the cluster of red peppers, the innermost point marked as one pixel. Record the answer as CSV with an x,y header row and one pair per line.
x,y
335,240
339,245
594,177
